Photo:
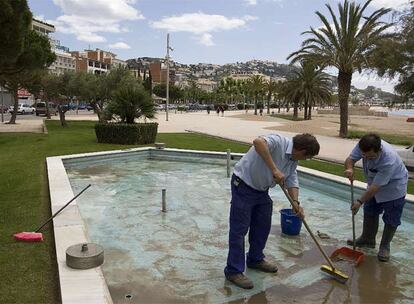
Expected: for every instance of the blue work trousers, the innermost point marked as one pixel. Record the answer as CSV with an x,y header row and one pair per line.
x,y
251,211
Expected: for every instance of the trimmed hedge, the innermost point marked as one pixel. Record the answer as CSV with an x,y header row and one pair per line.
x,y
126,134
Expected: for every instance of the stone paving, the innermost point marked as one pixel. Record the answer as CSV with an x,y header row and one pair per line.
x,y
231,126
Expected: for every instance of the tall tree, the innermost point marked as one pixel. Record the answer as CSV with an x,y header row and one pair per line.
x,y
310,85
36,56
15,21
348,42
396,56
175,93
256,86
271,88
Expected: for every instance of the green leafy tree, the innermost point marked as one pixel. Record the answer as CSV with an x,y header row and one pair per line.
x,y
15,22
349,43
130,103
36,56
396,56
51,90
175,93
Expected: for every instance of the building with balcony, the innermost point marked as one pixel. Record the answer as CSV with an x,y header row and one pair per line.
x,y
96,62
64,61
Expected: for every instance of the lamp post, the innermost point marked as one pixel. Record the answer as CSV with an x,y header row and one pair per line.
x,y
167,95
2,104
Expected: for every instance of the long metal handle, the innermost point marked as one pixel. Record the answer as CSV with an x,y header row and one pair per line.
x,y
57,212
309,230
353,216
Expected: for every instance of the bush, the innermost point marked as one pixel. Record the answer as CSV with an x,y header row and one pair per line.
x,y
273,105
129,103
126,134
240,106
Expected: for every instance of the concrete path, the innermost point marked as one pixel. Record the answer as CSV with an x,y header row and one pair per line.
x,y
230,127
332,148
23,126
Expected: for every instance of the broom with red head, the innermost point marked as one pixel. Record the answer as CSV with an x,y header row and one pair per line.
x,y
37,236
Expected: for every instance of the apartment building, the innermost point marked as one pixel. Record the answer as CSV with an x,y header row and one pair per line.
x,y
96,61
64,61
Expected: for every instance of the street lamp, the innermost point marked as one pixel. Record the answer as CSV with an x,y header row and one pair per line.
x,y
2,104
167,97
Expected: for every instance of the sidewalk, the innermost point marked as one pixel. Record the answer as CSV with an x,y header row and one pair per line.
x,y
230,126
23,126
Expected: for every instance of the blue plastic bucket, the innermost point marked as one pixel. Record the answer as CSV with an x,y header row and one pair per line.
x,y
290,222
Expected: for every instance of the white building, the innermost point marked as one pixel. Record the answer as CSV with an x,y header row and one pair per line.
x,y
64,61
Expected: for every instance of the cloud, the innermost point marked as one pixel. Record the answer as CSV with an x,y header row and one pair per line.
x,y
202,25
119,45
250,2
87,20
206,39
395,4
361,81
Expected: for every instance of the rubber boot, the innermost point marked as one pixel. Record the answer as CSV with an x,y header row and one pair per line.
x,y
384,250
369,232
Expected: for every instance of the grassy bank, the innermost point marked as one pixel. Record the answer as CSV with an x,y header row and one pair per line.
x,y
28,272
390,138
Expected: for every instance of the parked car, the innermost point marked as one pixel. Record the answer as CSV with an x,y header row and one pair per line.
x,y
160,107
407,156
41,108
89,107
24,108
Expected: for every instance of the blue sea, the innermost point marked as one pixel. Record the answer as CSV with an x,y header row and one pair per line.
x,y
401,112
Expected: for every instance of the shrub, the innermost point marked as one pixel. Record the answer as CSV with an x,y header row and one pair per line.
x,y
129,103
240,106
126,134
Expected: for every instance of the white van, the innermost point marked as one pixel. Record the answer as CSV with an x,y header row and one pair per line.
x,y
407,156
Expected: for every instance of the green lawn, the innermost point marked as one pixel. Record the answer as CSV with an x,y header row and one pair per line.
x,y
28,272
390,138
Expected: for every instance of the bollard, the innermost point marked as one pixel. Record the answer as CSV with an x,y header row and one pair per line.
x,y
228,162
164,200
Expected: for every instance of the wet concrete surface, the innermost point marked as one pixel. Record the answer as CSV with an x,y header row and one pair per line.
x,y
179,256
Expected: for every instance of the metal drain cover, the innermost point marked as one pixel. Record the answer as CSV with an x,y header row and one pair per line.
x,y
84,256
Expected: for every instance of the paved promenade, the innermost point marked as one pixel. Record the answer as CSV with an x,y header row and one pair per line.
x,y
230,126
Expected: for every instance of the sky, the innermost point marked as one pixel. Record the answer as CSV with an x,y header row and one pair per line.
x,y
208,31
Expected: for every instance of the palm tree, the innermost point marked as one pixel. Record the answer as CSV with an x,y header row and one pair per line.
x,y
349,45
311,85
256,86
271,88
290,94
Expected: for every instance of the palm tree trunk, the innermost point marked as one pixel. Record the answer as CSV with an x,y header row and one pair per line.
x,y
344,87
310,112
305,115
255,104
295,109
268,103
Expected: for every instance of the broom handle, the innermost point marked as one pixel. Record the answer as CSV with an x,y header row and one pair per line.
x,y
295,207
57,212
353,216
